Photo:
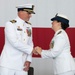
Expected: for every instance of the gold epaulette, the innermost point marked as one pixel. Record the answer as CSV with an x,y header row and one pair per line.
x,y
59,32
13,21
28,22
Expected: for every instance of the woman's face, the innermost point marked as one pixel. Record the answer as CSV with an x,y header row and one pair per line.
x,y
56,25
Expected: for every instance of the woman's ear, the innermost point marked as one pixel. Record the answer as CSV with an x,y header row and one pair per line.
x,y
59,24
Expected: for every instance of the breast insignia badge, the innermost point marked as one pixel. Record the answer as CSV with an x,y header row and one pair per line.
x,y
52,44
19,29
28,31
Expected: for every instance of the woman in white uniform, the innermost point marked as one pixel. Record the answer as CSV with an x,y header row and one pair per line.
x,y
59,47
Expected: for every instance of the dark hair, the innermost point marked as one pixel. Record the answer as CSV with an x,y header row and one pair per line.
x,y
63,25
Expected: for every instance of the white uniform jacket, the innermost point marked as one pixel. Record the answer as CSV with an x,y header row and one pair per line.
x,y
60,52
18,44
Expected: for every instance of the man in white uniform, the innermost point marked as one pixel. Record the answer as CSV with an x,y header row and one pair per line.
x,y
16,55
59,47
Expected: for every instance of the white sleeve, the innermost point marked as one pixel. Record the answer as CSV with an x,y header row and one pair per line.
x,y
30,42
59,44
14,41
29,58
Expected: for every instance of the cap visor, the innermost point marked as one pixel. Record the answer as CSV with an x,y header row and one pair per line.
x,y
32,12
52,19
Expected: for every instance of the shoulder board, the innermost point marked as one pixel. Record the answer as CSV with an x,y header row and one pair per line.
x,y
13,21
59,32
28,22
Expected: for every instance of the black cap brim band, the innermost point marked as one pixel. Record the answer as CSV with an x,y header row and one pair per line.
x,y
60,19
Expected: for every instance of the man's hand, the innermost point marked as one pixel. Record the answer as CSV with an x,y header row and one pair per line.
x,y
26,66
38,50
34,52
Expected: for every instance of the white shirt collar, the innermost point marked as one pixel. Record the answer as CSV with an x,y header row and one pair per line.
x,y
58,31
19,19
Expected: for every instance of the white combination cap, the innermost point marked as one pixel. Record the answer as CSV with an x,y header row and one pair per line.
x,y
26,7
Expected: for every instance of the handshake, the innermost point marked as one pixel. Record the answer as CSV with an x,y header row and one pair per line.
x,y
37,50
